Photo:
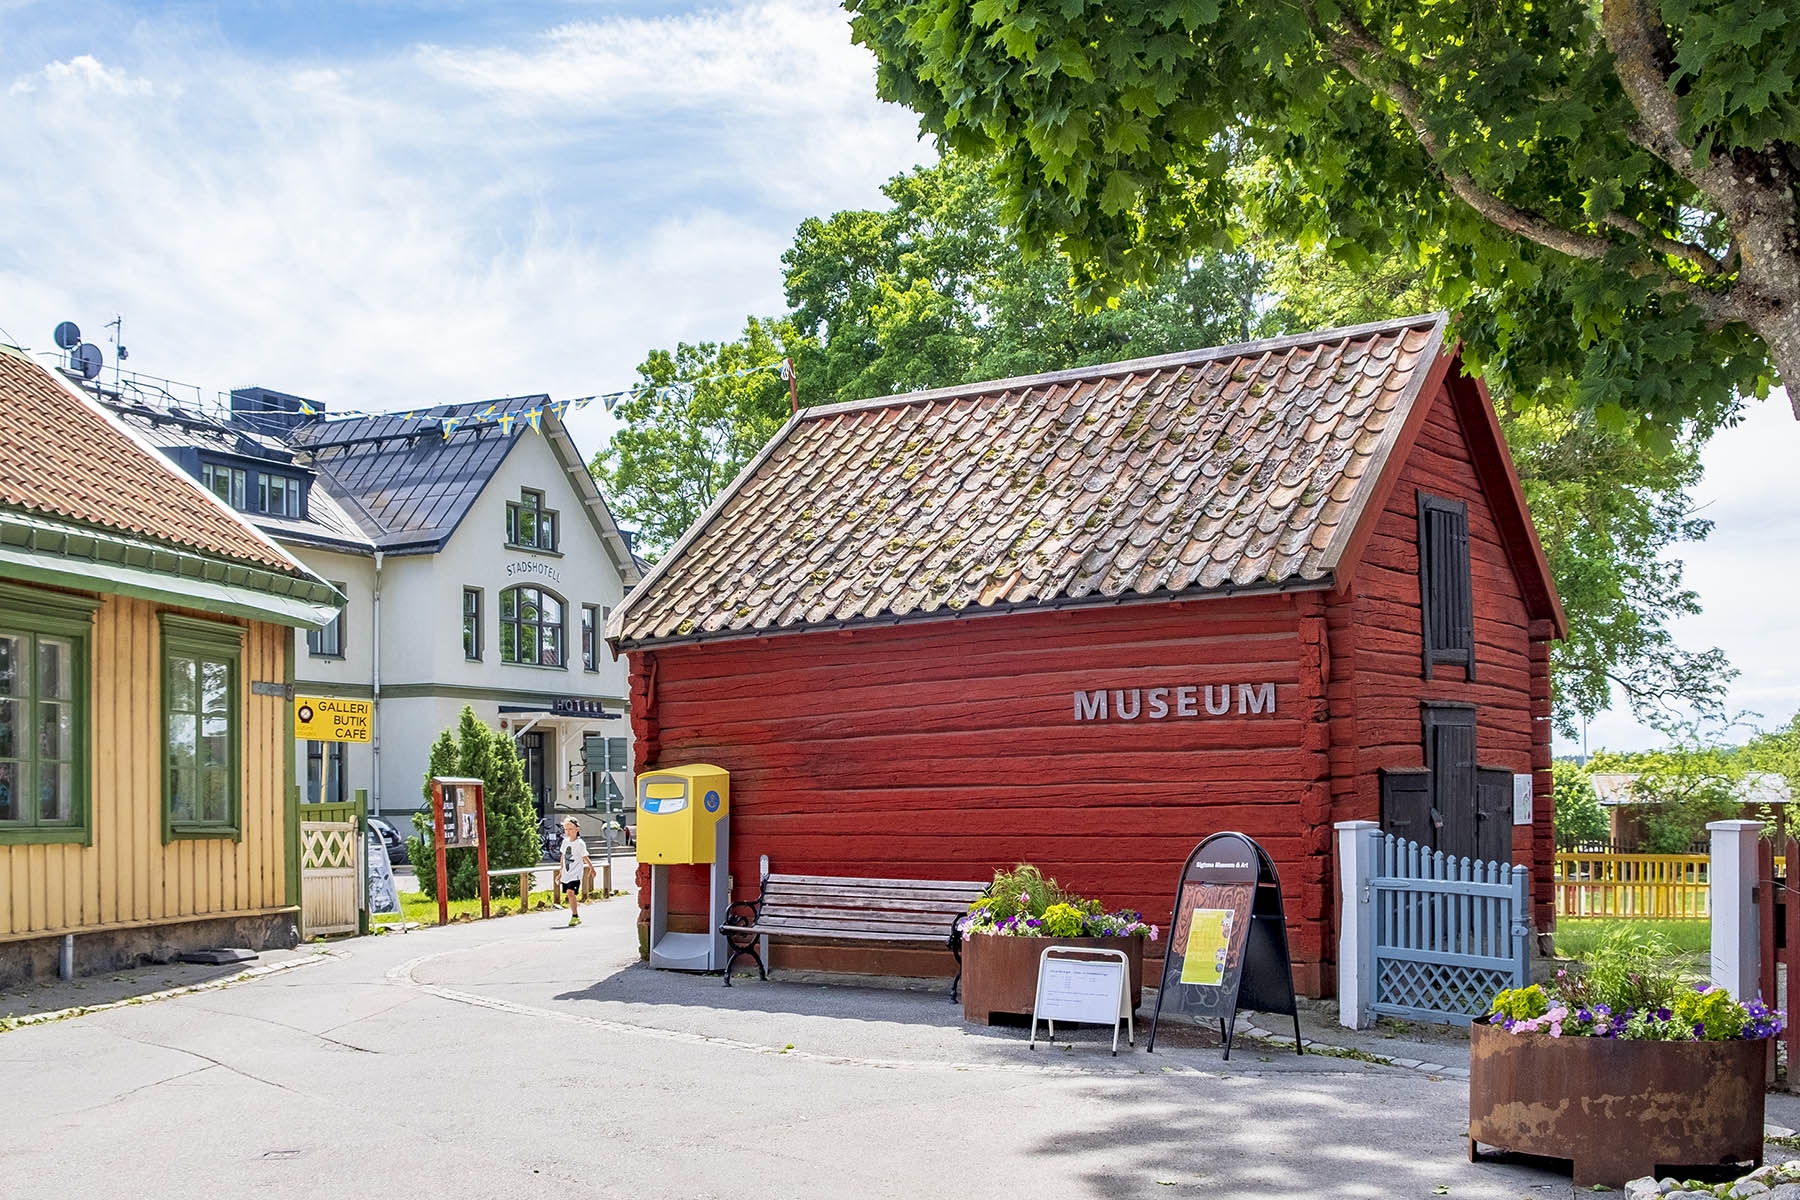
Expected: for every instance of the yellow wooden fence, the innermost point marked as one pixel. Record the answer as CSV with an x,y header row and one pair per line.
x,y
1645,886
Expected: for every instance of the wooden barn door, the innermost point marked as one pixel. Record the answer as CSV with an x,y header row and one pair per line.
x,y
1493,814
1450,759
1406,809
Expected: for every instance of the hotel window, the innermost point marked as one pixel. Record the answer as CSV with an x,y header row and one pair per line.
x,y
531,627
529,525
227,483
329,641
202,661
590,636
43,717
278,495
472,624
318,754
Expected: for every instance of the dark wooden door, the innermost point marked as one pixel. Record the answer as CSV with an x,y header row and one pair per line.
x,y
1493,814
1450,758
1406,810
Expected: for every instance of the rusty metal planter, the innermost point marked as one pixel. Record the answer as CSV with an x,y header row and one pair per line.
x,y
1619,1109
1000,972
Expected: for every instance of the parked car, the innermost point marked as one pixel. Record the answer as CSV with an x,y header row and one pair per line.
x,y
396,845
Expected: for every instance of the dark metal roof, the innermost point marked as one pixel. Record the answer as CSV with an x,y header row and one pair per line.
x,y
1238,468
401,478
327,523
391,482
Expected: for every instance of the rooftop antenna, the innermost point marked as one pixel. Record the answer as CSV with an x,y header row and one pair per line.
x,y
120,353
85,358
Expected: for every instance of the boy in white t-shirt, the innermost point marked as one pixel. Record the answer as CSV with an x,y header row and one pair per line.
x,y
574,860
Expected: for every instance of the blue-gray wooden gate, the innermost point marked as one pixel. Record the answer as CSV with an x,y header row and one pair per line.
x,y
1449,932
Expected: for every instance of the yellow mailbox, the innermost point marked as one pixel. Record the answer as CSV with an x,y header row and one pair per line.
x,y
679,810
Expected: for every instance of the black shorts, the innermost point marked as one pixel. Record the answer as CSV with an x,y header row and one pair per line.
x,y
571,885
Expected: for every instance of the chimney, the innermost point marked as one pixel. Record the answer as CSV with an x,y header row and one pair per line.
x,y
267,411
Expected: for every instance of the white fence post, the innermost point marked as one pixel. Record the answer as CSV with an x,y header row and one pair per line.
x,y
1732,875
1358,842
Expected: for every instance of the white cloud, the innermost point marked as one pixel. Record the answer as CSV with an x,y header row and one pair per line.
x,y
428,225
84,72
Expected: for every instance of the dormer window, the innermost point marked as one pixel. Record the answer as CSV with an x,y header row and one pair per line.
x,y
278,495
227,483
529,525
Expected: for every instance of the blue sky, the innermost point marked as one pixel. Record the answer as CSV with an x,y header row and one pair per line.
x,y
385,204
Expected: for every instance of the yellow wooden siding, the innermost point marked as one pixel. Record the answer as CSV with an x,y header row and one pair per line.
x,y
127,876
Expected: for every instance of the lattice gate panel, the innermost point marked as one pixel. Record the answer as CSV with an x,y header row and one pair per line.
x,y
329,862
1449,933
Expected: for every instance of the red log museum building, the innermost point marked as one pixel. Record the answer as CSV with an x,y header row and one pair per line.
x,y
1084,619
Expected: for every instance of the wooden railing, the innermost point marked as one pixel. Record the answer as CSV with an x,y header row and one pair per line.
x,y
1643,886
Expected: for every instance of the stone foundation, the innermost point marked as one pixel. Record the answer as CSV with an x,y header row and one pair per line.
x,y
119,949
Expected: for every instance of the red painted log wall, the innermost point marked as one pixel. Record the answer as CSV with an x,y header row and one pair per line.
x,y
950,749
1378,643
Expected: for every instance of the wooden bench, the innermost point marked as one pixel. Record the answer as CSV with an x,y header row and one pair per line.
x,y
842,910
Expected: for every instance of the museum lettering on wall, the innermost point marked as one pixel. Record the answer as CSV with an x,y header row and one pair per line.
x,y
1161,703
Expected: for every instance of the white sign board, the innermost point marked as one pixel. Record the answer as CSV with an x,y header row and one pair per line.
x,y
1521,799
1094,989
1072,990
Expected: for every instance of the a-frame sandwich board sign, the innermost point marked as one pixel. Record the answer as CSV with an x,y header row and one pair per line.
x,y
1227,939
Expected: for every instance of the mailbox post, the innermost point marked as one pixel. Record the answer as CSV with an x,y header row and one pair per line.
x,y
684,817
459,819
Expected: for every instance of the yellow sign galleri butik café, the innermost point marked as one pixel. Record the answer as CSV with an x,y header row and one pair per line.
x,y
329,719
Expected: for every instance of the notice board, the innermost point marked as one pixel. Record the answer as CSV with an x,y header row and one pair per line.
x,y
1089,990
1227,939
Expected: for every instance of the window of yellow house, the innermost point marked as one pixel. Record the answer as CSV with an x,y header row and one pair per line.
x,y
44,638
202,727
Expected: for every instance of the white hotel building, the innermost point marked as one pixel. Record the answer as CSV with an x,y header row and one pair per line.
x,y
479,570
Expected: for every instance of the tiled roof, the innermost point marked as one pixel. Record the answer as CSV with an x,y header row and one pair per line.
x,y
1243,467
62,458
400,478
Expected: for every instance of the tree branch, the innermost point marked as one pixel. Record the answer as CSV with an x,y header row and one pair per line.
x,y
1640,51
1346,50
1667,245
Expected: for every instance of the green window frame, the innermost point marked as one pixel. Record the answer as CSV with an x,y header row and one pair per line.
x,y
328,641
532,630
529,525
471,627
590,637
45,642
203,728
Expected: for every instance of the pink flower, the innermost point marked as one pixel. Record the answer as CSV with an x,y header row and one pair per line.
x,y
1153,932
1556,1029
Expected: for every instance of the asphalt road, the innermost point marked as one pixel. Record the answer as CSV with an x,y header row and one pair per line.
x,y
520,1057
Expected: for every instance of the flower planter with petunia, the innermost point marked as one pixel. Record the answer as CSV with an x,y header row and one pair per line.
x,y
1007,930
1626,1072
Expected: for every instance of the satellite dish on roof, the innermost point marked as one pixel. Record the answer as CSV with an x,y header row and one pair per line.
x,y
67,335
86,359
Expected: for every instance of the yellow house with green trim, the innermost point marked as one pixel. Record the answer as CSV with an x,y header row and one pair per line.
x,y
146,741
